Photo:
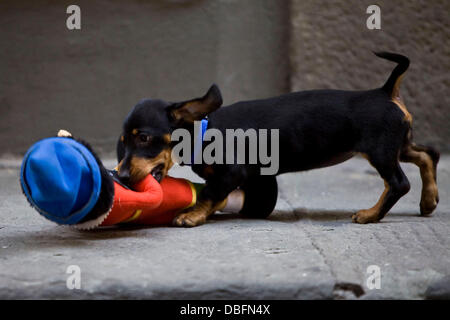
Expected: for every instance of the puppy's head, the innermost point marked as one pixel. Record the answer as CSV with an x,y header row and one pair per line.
x,y
145,144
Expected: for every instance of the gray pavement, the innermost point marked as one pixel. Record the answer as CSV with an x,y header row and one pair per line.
x,y
307,249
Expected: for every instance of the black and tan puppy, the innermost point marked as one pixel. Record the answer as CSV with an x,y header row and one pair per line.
x,y
317,128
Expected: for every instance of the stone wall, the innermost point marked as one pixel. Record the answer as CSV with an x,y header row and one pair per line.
x,y
87,80
331,48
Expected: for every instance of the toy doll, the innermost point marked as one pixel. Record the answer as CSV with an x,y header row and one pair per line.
x,y
65,181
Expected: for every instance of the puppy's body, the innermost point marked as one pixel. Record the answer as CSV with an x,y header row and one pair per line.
x,y
316,129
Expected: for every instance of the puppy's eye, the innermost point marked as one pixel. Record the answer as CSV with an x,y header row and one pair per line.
x,y
144,137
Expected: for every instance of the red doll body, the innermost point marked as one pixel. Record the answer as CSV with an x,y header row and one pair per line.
x,y
150,203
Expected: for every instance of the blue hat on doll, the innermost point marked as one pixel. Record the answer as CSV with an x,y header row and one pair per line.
x,y
61,178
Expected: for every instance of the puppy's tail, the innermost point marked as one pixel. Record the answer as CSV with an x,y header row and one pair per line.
x,y
393,83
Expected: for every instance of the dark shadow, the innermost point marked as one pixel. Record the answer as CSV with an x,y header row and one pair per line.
x,y
287,216
66,237
335,217
318,215
329,216
57,237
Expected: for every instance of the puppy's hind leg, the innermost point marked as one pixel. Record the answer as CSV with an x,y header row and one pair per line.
x,y
426,159
396,185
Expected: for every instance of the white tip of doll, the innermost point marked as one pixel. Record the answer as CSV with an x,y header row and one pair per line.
x,y
64,133
235,202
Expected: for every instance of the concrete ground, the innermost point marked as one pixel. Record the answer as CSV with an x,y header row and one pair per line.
x,y
307,249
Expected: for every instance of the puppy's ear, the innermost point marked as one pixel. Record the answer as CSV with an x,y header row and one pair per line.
x,y
196,109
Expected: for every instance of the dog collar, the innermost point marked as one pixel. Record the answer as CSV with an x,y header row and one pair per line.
x,y
198,142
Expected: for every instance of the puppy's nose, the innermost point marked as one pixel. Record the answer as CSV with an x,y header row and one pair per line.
x,y
124,176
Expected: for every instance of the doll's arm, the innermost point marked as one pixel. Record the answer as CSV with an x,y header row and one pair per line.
x,y
178,194
129,205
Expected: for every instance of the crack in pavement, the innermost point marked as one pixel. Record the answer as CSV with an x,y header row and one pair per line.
x,y
311,238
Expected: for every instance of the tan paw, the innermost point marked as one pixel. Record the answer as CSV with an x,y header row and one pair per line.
x,y
365,216
429,201
189,219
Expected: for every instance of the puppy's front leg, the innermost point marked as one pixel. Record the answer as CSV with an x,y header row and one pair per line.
x,y
212,198
198,214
